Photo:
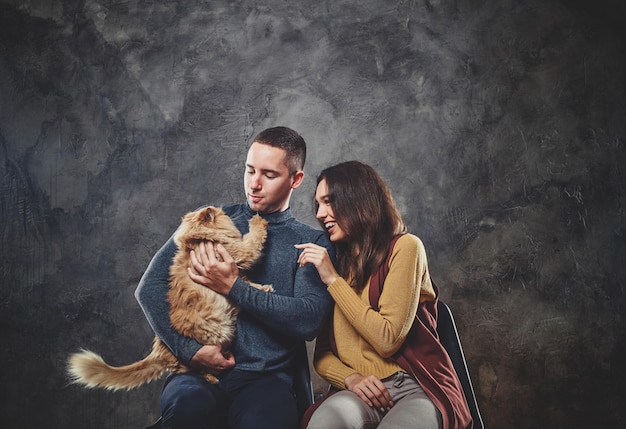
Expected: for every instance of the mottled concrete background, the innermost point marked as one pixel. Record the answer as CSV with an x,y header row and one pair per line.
x,y
499,124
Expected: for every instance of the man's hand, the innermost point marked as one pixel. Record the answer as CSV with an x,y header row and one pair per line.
x,y
371,390
212,359
208,271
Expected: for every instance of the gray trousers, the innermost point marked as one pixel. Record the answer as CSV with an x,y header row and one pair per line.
x,y
412,409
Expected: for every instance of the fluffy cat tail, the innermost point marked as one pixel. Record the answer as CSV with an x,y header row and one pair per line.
x,y
90,370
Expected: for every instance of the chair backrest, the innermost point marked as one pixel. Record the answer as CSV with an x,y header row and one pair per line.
x,y
449,338
302,385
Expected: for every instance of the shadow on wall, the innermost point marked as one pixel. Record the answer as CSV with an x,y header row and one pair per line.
x,y
498,125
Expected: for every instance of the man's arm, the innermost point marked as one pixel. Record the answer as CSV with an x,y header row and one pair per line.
x,y
151,293
299,316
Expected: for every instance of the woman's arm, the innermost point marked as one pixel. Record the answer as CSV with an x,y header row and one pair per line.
x,y
369,388
326,364
386,329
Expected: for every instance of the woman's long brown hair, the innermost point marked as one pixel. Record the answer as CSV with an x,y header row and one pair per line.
x,y
365,210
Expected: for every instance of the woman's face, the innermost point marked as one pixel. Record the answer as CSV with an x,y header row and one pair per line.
x,y
326,215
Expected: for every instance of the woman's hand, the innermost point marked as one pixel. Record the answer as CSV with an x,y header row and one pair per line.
x,y
318,256
371,390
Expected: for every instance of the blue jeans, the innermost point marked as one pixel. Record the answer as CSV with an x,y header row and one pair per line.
x,y
241,401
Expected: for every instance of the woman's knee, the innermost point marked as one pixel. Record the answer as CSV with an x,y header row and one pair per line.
x,y
413,411
343,410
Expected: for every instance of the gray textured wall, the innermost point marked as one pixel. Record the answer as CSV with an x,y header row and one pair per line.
x,y
499,124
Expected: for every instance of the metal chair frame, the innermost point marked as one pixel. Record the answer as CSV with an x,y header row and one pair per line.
x,y
449,338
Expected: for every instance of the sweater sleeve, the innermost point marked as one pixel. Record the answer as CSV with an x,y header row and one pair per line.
x,y
299,316
151,293
327,365
408,277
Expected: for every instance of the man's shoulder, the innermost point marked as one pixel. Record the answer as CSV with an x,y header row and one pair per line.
x,y
233,209
308,232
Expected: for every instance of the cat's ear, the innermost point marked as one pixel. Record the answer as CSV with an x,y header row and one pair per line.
x,y
209,214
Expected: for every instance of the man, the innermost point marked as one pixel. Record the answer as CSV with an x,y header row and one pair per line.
x,y
256,381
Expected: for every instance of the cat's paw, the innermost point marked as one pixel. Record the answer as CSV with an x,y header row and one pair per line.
x,y
265,288
258,222
210,378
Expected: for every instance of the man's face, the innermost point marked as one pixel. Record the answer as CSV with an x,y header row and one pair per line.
x,y
268,182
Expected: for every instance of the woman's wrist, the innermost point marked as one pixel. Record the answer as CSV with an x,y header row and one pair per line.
x,y
330,279
352,379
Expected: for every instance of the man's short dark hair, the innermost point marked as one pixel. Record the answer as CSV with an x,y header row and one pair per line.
x,y
288,140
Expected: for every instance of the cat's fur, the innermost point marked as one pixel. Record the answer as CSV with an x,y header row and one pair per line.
x,y
196,311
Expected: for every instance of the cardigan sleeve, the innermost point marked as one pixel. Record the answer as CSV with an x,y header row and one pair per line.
x,y
329,366
407,283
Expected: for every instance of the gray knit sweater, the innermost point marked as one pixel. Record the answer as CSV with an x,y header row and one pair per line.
x,y
270,326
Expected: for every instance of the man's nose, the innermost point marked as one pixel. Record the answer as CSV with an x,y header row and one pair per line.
x,y
255,181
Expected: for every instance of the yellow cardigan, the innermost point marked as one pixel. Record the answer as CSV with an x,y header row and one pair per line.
x,y
366,340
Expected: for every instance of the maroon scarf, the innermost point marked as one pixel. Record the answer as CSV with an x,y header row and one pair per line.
x,y
423,356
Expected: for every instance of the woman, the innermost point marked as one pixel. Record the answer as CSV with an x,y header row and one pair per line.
x,y
355,352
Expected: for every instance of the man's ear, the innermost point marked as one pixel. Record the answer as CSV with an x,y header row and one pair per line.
x,y
298,177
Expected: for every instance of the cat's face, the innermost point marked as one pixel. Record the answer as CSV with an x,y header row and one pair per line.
x,y
206,223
